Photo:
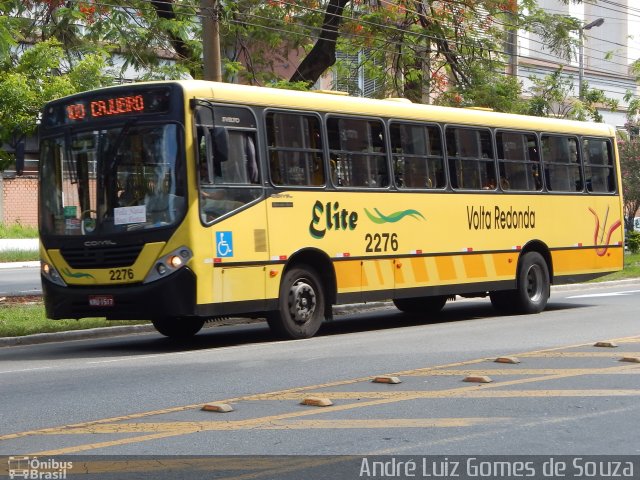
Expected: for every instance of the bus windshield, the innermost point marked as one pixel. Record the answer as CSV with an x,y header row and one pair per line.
x,y
112,180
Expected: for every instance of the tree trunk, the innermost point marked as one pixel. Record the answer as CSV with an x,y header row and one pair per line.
x,y
164,9
323,54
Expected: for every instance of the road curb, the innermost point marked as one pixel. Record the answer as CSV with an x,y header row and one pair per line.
x,y
104,332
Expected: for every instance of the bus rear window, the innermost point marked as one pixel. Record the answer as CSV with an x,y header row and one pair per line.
x,y
598,165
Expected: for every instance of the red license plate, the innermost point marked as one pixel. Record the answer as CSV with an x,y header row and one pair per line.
x,y
101,301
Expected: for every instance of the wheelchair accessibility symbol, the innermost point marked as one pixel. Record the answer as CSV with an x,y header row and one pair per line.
x,y
224,244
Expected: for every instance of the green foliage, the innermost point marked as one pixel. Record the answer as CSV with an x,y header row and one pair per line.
x,y
34,78
629,153
17,230
286,85
501,93
554,96
633,241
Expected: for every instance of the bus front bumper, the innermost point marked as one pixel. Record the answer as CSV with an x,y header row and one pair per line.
x,y
172,296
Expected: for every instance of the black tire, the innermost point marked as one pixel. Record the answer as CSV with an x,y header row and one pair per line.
x,y
503,301
427,305
301,304
533,290
178,327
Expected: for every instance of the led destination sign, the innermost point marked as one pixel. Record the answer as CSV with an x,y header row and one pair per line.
x,y
101,108
129,103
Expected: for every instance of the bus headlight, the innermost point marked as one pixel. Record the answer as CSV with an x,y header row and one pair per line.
x,y
168,264
51,274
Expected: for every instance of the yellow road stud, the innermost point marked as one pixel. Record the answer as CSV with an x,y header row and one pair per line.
x,y
507,360
317,402
218,407
630,359
387,379
478,379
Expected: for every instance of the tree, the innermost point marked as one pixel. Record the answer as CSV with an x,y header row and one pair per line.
x,y
629,151
554,96
38,76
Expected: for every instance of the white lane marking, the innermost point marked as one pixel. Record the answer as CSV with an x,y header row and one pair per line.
x,y
612,294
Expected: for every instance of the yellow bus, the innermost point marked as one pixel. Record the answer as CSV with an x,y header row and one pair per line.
x,y
180,202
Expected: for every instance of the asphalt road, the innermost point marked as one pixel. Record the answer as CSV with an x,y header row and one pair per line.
x,y
22,280
142,394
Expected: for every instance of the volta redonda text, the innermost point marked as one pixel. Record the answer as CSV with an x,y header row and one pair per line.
x,y
487,218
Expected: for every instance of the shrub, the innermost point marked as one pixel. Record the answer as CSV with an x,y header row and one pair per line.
x,y
633,241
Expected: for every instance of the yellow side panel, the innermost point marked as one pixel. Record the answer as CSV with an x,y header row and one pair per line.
x,y
474,266
348,275
567,262
446,268
239,283
505,264
378,274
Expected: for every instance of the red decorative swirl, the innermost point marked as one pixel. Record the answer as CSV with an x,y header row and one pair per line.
x,y
603,250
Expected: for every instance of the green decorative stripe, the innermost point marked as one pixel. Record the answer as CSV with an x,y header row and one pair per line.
x,y
67,273
392,218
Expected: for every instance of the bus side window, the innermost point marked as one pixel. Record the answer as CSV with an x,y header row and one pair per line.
x,y
417,156
357,153
240,165
561,163
598,165
519,161
471,160
295,149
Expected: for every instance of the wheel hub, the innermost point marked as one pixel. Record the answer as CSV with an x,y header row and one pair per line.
x,y
302,302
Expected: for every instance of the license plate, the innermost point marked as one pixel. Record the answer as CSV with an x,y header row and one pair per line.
x,y
101,301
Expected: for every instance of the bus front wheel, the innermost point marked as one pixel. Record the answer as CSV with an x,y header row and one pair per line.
x,y
301,304
533,289
178,327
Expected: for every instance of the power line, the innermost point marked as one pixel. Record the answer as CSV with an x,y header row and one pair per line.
x,y
393,29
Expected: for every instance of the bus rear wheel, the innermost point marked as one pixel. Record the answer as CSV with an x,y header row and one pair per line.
x,y
532,293
178,327
429,305
301,304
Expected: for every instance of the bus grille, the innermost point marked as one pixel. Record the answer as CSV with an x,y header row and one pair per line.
x,y
101,257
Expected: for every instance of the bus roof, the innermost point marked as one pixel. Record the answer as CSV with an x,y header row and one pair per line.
x,y
389,108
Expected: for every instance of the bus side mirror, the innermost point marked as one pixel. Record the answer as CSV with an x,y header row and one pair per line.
x,y
19,158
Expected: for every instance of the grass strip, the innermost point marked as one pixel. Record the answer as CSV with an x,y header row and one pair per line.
x,y
21,319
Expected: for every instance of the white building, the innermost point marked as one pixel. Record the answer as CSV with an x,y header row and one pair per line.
x,y
611,43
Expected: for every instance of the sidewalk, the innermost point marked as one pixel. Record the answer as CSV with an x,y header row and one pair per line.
x,y
29,244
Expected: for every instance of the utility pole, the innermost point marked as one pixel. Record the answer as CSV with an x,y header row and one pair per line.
x,y
588,26
511,44
209,9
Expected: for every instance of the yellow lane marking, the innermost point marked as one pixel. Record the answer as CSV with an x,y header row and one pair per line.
x,y
610,353
528,371
253,423
420,394
553,393
479,390
198,406
263,424
385,423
